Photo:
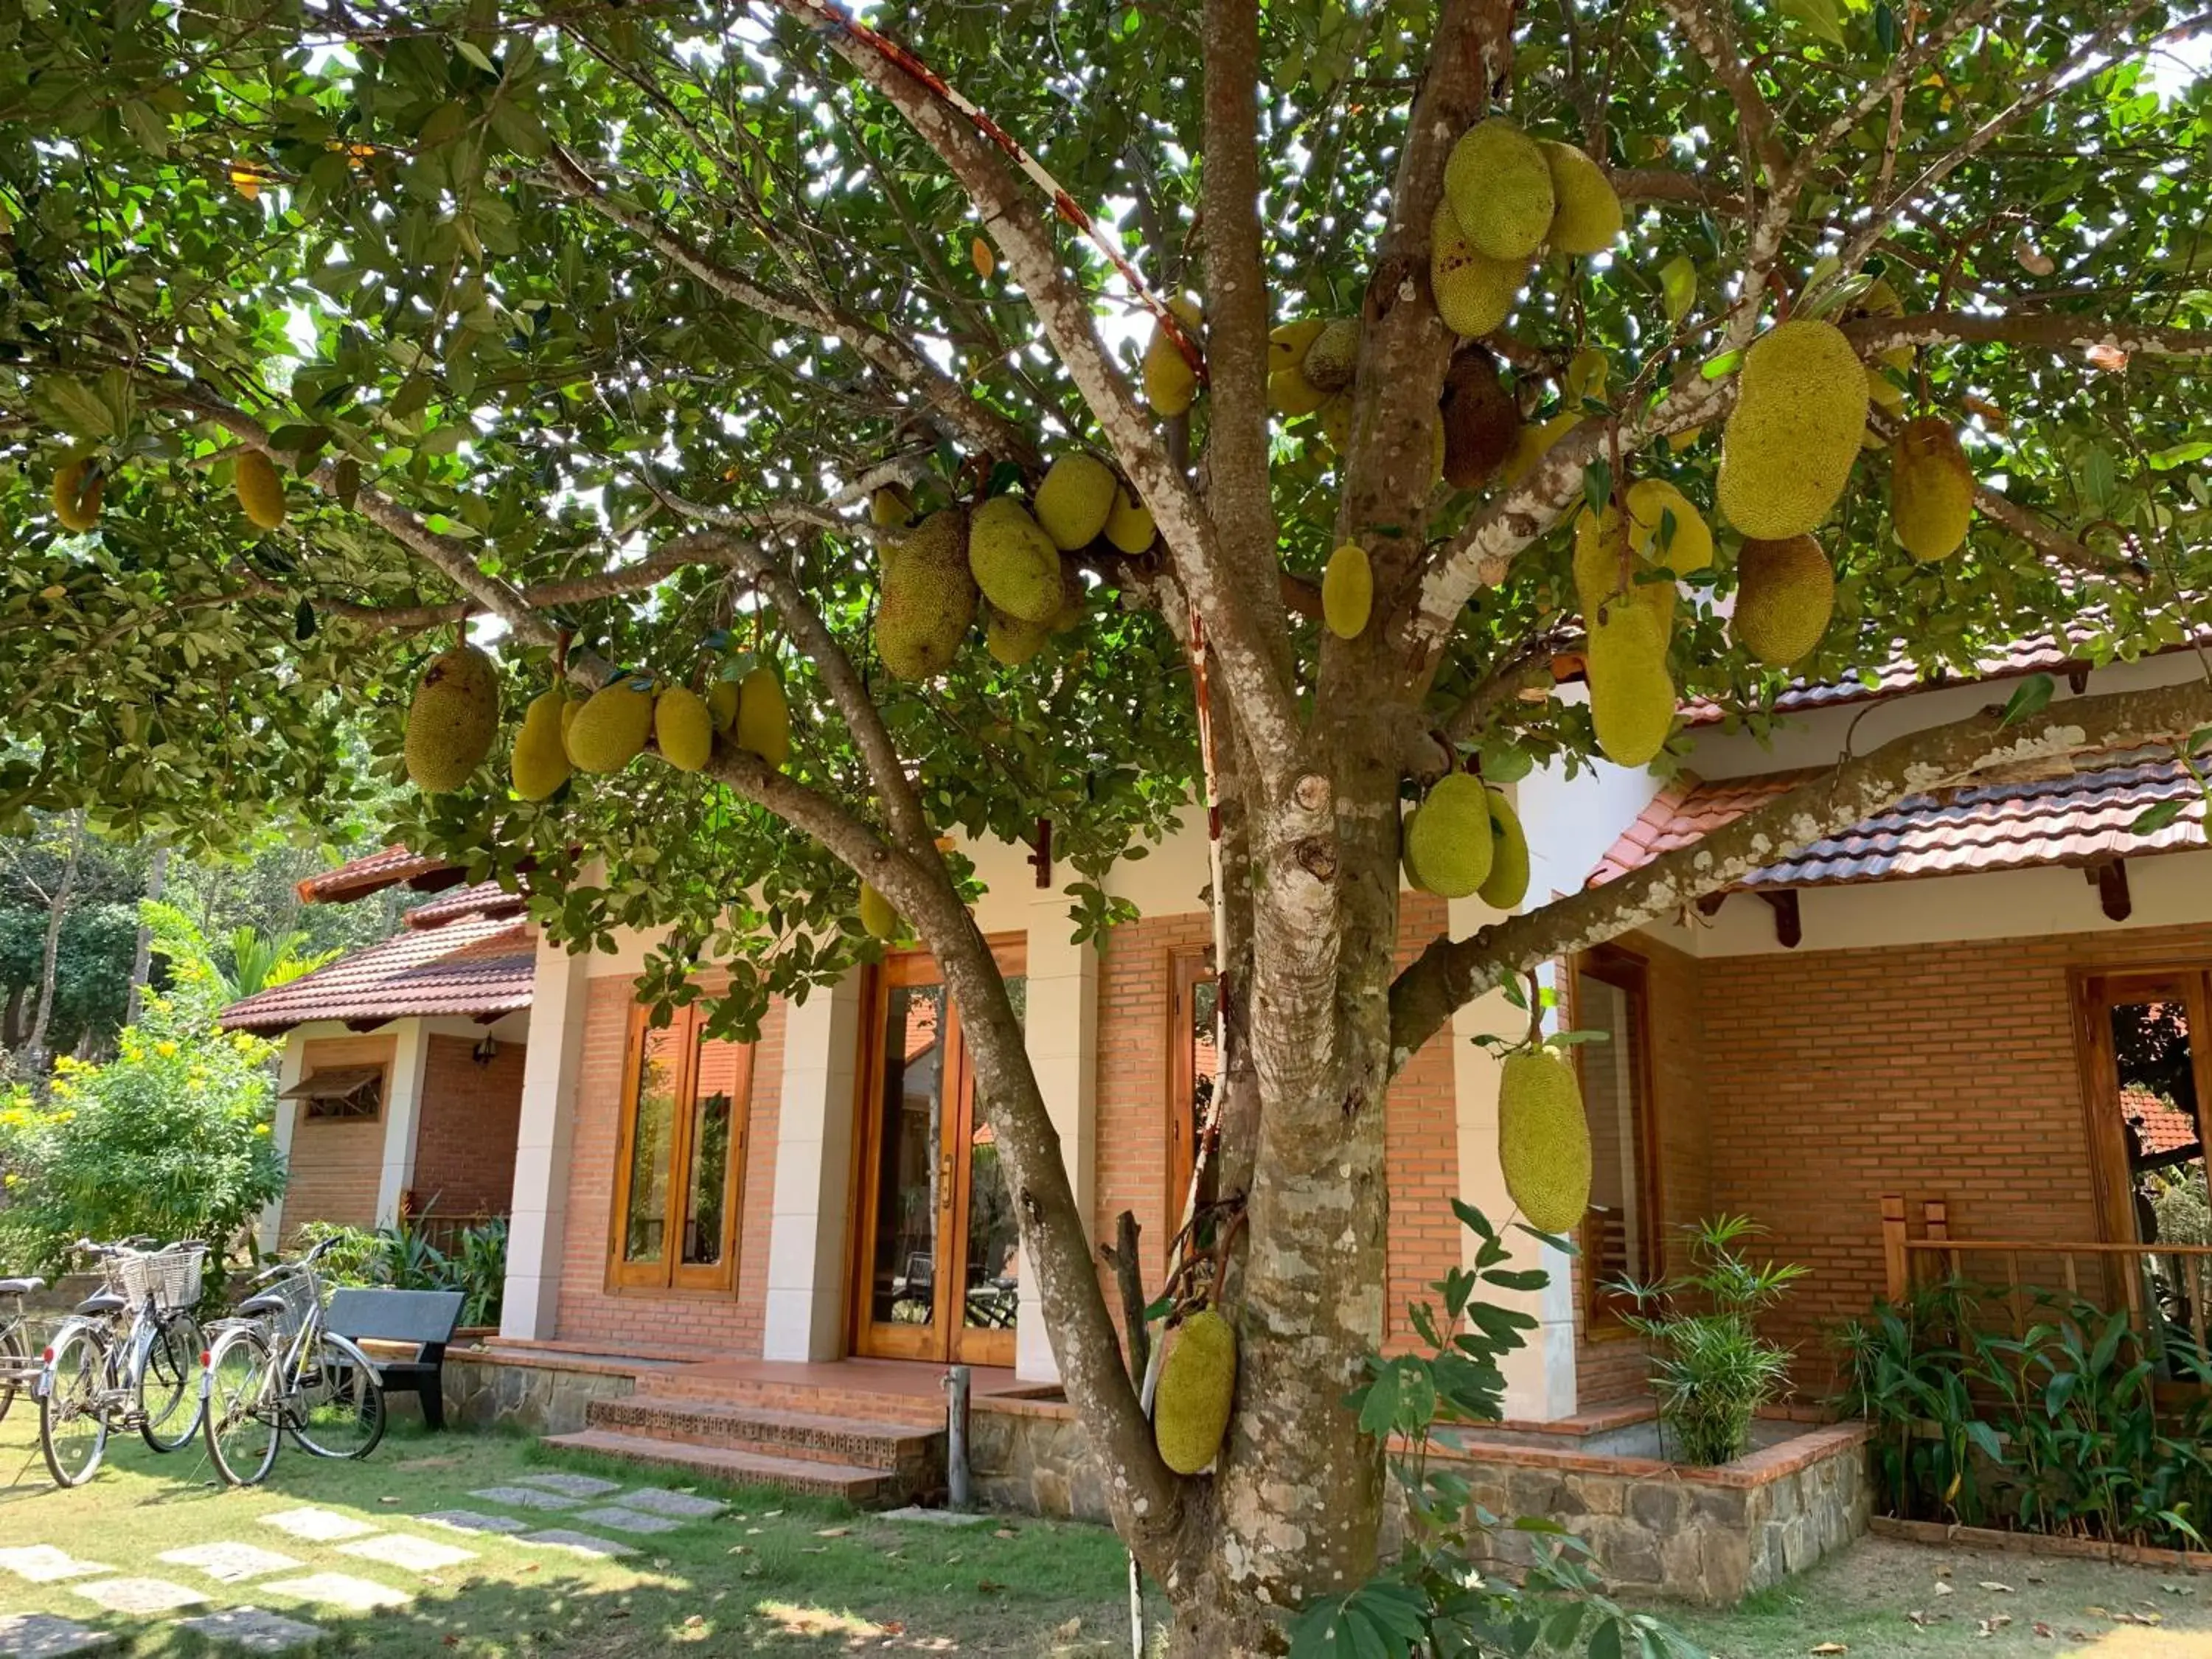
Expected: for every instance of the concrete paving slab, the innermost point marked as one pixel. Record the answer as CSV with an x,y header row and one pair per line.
x,y
628,1519
582,1543
526,1498
42,1564
43,1636
315,1525
229,1563
338,1589
470,1521
683,1506
399,1549
570,1486
255,1630
138,1595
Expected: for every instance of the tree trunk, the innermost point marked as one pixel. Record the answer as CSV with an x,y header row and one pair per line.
x,y
34,1058
142,956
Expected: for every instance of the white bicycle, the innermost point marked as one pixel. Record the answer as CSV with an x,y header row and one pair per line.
x,y
124,1359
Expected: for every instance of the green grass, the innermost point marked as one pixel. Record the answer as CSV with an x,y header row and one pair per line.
x,y
775,1574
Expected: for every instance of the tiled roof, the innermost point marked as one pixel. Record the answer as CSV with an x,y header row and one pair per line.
x,y
359,878
485,898
476,967
2079,820
2162,1126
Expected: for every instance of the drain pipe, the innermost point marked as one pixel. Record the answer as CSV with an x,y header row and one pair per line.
x,y
955,1436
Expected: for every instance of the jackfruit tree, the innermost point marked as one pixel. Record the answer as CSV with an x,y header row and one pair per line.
x,y
973,381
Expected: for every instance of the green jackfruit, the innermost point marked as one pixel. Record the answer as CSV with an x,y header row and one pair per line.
x,y
1129,525
1010,641
722,704
1074,598
1474,293
1532,443
1630,693
1290,394
1170,382
764,722
260,492
1335,354
1075,499
1507,883
1347,591
1880,299
1688,546
453,719
75,495
1606,574
1500,190
928,598
1287,342
1448,837
880,918
683,728
1480,419
1013,561
1198,1385
1543,1139
1585,212
609,731
568,708
1931,490
891,506
539,763
1787,450
1588,373
1785,593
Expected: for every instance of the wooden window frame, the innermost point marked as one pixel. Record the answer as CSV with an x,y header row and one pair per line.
x,y
374,1115
670,1274
2096,991
1629,973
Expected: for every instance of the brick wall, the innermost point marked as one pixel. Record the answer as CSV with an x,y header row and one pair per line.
x,y
465,1145
336,1163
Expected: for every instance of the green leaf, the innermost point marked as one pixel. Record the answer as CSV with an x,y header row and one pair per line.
x,y
1818,15
1597,486
2031,699
2152,819
1678,287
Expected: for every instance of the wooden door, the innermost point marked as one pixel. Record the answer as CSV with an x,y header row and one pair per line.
x,y
679,1158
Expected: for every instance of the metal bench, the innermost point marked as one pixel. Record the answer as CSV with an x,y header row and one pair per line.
x,y
425,1318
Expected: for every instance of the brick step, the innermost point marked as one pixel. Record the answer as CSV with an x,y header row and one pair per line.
x,y
864,1488
702,1384
810,1436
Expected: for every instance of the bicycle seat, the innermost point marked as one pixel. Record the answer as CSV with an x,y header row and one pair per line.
x,y
270,1303
21,1286
101,1302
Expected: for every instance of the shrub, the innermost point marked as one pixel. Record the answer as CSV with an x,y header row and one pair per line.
x,y
402,1258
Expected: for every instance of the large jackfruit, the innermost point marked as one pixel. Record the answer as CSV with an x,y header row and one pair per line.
x,y
879,917
76,495
928,598
1532,443
1586,211
609,731
1608,576
453,719
1474,293
1198,1386
722,704
1786,593
891,506
1932,488
1013,561
1787,450
683,728
1500,190
1543,1139
1630,693
1480,419
1448,840
260,492
1290,394
1287,342
1880,299
1010,641
1347,592
1170,382
1666,529
764,720
1130,526
1507,883
539,761
1075,499
1335,354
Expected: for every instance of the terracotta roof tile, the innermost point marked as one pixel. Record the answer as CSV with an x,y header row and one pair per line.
x,y
476,967
2162,1126
485,898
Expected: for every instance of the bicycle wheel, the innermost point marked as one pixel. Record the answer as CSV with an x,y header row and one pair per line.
x,y
169,1403
338,1410
15,1362
242,1422
73,1409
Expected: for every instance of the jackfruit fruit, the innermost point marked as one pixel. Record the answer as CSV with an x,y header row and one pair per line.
x,y
453,719
1129,525
1687,547
722,704
763,724
1013,561
1880,299
1198,1385
1500,190
1585,212
1290,394
1170,382
1532,443
568,707
1336,422
1786,593
1010,641
1347,591
1884,392
1787,450
1931,490
1074,598
1480,419
539,763
260,492
1678,442
76,493
1448,837
1589,372
683,728
1075,499
1335,354
1543,1139
891,506
880,918
1287,342
609,730
1507,883
1474,293
1607,575
928,598
1630,693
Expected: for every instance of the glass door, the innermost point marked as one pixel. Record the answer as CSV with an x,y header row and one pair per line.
x,y
939,1246
680,1160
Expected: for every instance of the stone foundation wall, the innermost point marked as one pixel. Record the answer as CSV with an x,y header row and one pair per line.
x,y
1033,1456
483,1392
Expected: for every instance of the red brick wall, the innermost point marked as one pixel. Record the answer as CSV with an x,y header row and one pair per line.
x,y
336,1163
465,1144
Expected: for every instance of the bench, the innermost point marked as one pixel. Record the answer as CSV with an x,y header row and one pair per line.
x,y
425,1318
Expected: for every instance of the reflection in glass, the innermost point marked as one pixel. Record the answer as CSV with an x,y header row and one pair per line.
x,y
703,1218
653,1116
993,1238
904,1275
2158,1117
1613,1232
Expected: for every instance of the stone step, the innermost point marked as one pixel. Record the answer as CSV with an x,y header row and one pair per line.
x,y
812,1436
864,1488
716,1386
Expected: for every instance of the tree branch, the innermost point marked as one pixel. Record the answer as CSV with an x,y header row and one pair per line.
x,y
1706,25
2054,331
1529,669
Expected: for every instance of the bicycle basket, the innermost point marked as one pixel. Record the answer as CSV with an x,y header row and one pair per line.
x,y
171,1278
296,1289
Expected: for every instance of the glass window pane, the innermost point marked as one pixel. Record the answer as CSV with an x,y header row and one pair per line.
x,y
653,1117
904,1275
707,1220
2151,1048
1205,1068
994,1240
1613,1232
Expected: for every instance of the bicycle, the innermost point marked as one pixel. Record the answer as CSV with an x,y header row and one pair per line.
x,y
19,1369
277,1370
124,1359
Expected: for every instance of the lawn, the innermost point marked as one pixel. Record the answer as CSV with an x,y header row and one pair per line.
x,y
773,1574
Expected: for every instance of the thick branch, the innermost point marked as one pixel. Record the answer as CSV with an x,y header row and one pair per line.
x,y
1706,25
1527,670
2053,330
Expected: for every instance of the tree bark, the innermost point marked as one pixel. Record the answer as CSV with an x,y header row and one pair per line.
x,y
34,1056
141,954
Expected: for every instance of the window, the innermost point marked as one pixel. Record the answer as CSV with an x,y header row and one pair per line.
x,y
2146,1094
340,1094
679,1164
1620,1234
1194,1069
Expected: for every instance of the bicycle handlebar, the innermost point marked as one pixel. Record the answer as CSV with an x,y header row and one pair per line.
x,y
315,1254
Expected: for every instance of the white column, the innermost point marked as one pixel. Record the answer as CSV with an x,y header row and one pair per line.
x,y
804,1315
530,1303
285,1118
1062,1031
1540,1378
403,1116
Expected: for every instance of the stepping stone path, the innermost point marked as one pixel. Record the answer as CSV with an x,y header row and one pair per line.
x,y
42,1564
340,1590
582,1543
399,1549
682,1505
470,1521
936,1517
315,1525
526,1498
42,1635
627,1520
570,1486
229,1564
252,1629
139,1594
